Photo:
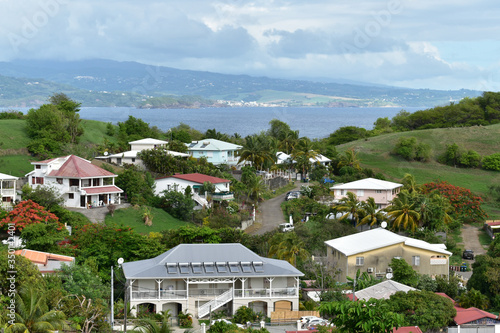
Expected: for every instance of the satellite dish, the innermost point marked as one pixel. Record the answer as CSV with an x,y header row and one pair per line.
x,y
388,276
120,261
106,153
383,225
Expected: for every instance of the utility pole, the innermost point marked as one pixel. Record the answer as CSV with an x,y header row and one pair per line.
x,y
112,321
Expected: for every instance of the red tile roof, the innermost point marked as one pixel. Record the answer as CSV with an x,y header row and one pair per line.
x,y
465,316
42,257
199,178
103,190
77,167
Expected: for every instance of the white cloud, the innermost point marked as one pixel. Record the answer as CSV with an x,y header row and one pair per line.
x,y
413,43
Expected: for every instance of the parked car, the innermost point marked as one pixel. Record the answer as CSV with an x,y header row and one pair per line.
x,y
285,227
292,195
305,319
313,324
468,254
227,322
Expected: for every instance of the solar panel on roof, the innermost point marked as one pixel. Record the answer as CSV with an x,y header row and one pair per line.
x,y
172,268
258,266
221,267
245,266
234,267
184,268
196,267
209,267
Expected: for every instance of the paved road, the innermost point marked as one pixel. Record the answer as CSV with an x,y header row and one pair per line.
x,y
470,240
269,215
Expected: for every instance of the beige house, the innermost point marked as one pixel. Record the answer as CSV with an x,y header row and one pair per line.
x,y
372,251
380,190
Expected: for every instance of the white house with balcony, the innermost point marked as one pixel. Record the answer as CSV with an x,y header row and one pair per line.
x,y
179,182
215,151
199,278
81,184
130,156
8,189
380,190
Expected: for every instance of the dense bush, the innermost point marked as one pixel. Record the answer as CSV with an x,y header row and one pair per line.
x,y
492,162
409,149
458,157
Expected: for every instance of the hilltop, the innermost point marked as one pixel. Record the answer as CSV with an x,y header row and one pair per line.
x,y
101,82
375,153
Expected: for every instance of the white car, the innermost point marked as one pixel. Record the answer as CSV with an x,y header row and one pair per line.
x,y
312,324
285,227
306,319
227,322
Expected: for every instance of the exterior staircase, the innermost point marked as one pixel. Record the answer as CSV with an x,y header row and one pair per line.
x,y
200,200
216,303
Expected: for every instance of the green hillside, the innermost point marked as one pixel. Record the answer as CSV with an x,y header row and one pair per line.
x,y
375,153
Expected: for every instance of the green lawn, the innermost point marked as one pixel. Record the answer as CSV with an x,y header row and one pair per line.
x,y
95,132
13,134
132,217
16,165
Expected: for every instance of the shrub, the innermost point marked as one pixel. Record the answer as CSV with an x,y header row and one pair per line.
x,y
492,162
411,150
244,314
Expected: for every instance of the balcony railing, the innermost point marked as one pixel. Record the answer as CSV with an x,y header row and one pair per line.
x,y
222,196
256,293
155,294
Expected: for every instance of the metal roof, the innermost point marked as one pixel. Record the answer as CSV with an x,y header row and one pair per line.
x,y
367,184
197,178
378,238
208,261
382,290
148,141
77,167
212,144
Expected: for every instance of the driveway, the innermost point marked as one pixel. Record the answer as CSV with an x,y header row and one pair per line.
x,y
470,241
269,215
96,215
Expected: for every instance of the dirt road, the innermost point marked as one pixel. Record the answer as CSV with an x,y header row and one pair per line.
x,y
470,237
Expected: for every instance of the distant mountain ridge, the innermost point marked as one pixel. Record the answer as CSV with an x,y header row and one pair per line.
x,y
135,79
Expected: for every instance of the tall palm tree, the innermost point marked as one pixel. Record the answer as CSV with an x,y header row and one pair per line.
x,y
402,213
303,152
147,325
349,158
255,151
255,188
32,314
289,141
350,206
410,183
372,214
289,248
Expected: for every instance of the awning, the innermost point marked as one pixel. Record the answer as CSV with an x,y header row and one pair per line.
x,y
102,190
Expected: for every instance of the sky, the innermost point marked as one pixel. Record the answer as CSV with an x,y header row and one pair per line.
x,y
408,43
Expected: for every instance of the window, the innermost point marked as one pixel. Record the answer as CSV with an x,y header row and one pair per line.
x,y
37,180
172,268
342,192
361,193
71,195
221,267
74,182
196,267
209,267
258,266
184,268
234,267
378,191
38,166
95,182
59,181
133,159
416,260
360,261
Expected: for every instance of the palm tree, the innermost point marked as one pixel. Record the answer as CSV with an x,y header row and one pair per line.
x,y
402,213
349,158
255,151
147,325
289,247
255,188
32,314
351,206
303,152
289,141
372,214
410,184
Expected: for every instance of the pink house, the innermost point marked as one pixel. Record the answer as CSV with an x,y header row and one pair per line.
x,y
380,190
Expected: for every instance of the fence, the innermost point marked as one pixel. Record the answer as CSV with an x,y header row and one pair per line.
x,y
286,317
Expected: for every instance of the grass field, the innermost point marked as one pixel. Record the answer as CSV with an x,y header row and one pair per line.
x,y
375,153
95,132
16,165
132,217
13,134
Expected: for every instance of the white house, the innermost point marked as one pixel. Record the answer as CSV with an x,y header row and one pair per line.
x,y
380,190
199,278
130,156
80,183
8,189
179,183
282,158
215,151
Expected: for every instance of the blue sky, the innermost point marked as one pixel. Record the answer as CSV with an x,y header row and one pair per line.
x,y
419,44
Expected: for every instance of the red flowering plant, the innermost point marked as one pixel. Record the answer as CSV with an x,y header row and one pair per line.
x,y
29,212
465,204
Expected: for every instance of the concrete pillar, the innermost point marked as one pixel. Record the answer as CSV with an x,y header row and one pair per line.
x,y
203,327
